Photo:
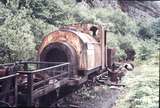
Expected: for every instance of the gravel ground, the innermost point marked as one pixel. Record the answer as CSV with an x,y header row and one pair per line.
x,y
91,97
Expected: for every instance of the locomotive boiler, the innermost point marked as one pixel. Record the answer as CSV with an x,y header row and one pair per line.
x,y
82,45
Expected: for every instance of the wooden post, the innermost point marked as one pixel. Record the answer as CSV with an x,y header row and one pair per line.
x,y
105,47
69,74
25,67
30,90
103,56
16,90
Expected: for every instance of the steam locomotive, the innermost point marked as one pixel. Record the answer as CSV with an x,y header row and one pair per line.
x,y
66,58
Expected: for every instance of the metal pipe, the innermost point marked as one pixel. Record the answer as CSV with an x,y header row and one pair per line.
x,y
30,90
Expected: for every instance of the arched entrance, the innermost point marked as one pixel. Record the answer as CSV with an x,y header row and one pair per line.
x,y
60,52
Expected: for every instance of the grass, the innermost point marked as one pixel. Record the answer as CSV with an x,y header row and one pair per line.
x,y
142,86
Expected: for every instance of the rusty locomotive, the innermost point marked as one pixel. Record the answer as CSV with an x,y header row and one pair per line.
x,y
67,58
82,45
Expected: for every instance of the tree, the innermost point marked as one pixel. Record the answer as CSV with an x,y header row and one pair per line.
x,y
47,10
16,35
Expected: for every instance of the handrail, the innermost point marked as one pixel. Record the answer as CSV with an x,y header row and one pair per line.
x,y
31,62
59,71
7,64
40,70
40,62
9,76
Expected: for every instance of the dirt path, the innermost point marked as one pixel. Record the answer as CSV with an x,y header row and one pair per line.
x,y
91,97
106,100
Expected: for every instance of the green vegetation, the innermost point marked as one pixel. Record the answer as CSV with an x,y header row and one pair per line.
x,y
142,87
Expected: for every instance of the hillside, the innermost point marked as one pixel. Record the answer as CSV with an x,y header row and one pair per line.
x,y
135,8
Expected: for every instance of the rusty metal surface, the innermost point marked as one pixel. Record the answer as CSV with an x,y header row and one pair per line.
x,y
110,57
86,46
86,28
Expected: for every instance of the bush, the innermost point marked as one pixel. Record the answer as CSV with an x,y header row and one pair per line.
x,y
144,53
150,29
20,33
47,10
39,28
142,87
155,27
16,35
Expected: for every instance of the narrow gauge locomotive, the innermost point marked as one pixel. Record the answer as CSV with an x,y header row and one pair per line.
x,y
82,45
66,57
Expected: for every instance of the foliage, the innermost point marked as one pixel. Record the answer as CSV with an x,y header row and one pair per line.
x,y
144,52
155,26
33,19
47,10
125,32
150,29
116,20
142,87
20,31
16,34
144,48
40,28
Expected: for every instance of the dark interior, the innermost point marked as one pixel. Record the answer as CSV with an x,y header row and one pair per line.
x,y
94,30
53,54
59,52
56,55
